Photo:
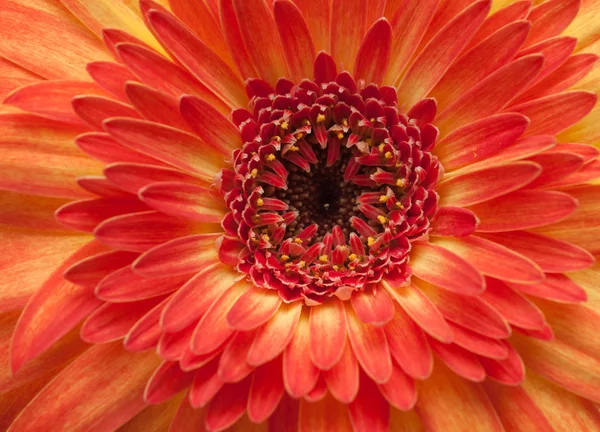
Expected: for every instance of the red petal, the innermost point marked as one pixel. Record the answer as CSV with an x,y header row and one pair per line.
x,y
327,333
133,177
455,222
370,346
373,307
422,311
102,147
400,390
369,411
408,345
485,184
299,373
494,260
253,309
299,49
95,109
232,363
478,344
510,370
557,287
125,286
551,18
206,385
228,405
343,378
536,208
275,335
459,360
155,105
91,270
435,59
374,53
85,215
146,333
443,268
166,381
38,327
266,391
111,77
480,139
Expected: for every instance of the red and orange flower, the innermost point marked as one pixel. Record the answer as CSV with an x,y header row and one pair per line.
x,y
299,215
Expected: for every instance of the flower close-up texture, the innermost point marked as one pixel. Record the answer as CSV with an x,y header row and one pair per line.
x,y
299,215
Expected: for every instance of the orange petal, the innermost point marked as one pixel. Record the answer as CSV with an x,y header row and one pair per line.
x,y
317,15
343,378
135,176
38,327
556,166
125,286
513,12
460,361
327,333
95,109
323,416
483,59
232,362
14,76
231,31
198,58
478,344
138,232
184,200
564,410
480,139
370,346
408,345
536,208
41,251
561,364
206,384
369,411
275,335
374,53
155,105
438,410
347,29
258,32
213,329
194,298
102,147
550,19
49,56
212,127
445,269
470,312
553,114
483,185
146,333
400,390
228,405
373,307
108,404
509,371
516,409
299,49
161,74
166,381
454,221
494,260
517,309
419,308
435,59
187,418
491,94
266,391
409,25
197,15
299,373
173,146
253,309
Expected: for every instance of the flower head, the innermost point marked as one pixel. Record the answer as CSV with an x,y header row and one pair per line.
x,y
343,216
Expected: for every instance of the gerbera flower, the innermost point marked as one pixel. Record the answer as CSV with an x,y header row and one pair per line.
x,y
315,216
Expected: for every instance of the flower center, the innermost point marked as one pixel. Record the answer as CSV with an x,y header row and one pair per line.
x,y
330,187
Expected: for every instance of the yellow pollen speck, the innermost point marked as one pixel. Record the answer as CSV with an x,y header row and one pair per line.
x,y
398,164
345,122
284,258
306,122
297,240
381,147
399,205
254,173
372,119
277,138
400,182
323,258
260,202
340,135
270,157
294,148
300,135
388,155
370,241
382,219
265,237
383,199
369,141
320,118
336,268
352,257
285,125
301,264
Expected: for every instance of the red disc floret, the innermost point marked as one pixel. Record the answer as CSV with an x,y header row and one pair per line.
x,y
340,145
